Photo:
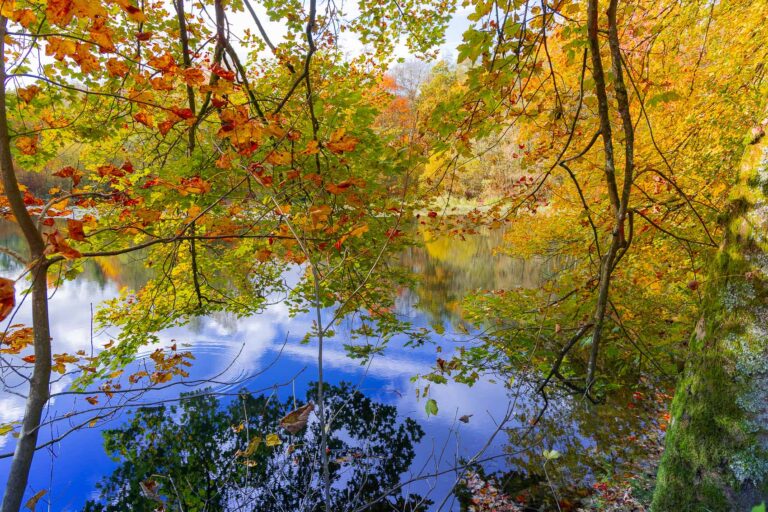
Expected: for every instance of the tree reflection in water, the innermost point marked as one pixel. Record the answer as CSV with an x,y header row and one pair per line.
x,y
189,457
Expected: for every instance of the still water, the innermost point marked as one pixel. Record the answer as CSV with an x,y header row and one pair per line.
x,y
386,452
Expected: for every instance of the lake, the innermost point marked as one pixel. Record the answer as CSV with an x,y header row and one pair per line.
x,y
384,440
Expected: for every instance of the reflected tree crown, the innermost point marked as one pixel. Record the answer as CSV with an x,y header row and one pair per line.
x,y
210,454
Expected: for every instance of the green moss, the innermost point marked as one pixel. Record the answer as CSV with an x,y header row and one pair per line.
x,y
712,446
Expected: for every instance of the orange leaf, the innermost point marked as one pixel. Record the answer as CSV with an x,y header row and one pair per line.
x,y
312,148
27,145
166,126
75,229
135,13
27,93
28,359
144,118
163,62
340,142
116,67
195,185
25,17
194,76
359,230
57,244
93,400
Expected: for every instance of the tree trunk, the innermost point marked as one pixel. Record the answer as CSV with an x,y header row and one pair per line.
x,y
716,446
41,375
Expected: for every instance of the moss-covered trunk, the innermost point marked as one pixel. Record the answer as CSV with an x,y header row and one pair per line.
x,y
715,455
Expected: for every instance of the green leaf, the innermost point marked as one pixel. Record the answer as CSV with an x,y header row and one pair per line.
x,y
431,407
551,454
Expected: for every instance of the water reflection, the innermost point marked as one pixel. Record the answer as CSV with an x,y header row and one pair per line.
x,y
385,421
207,455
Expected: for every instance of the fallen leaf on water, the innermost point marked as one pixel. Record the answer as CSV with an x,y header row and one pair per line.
x,y
32,502
297,419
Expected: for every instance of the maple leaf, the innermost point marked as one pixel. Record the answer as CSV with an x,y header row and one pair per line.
x,y
27,145
28,359
144,36
218,102
75,230
340,142
27,93
93,400
7,7
7,297
263,255
117,68
135,13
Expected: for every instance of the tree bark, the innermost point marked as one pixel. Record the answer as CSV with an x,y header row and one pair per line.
x,y
41,374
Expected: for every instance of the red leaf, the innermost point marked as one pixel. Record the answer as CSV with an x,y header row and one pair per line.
x,y
184,113
7,297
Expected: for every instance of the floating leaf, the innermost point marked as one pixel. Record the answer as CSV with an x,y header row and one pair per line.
x,y
32,502
297,419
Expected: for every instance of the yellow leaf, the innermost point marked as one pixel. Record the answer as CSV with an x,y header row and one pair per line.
x,y
273,440
312,148
359,230
32,502
7,7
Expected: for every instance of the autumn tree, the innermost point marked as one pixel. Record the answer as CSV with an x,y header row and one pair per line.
x,y
205,148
